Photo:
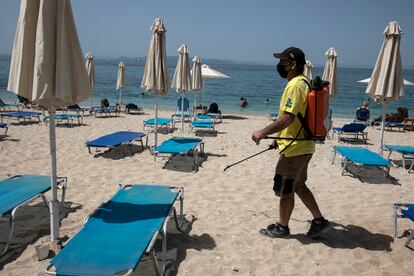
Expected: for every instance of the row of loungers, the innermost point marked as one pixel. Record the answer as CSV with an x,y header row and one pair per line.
x,y
189,146
114,238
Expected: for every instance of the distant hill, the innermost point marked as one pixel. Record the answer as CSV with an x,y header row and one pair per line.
x,y
140,61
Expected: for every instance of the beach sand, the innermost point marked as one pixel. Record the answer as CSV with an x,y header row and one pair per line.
x,y
224,210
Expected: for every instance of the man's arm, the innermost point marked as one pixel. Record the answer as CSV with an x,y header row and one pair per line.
x,y
280,124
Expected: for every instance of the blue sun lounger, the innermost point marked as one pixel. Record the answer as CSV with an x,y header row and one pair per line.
x,y
202,124
162,122
17,191
105,111
402,210
4,105
391,125
116,139
361,157
5,126
407,153
25,115
66,117
273,116
117,234
182,146
352,129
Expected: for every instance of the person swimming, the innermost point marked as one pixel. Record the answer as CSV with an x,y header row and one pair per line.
x,y
243,102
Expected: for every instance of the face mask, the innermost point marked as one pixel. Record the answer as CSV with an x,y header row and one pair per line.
x,y
282,71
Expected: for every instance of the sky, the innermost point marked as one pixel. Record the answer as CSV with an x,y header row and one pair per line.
x,y
242,31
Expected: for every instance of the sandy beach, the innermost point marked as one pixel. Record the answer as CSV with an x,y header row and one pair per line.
x,y
223,210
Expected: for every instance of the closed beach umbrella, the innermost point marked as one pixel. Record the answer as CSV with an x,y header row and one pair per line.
x,y
155,77
182,77
307,72
120,80
386,83
90,69
196,78
47,68
329,72
209,73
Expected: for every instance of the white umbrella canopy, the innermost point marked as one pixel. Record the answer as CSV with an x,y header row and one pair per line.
x,y
329,72
386,82
120,80
155,77
182,77
307,72
90,69
209,73
47,68
405,82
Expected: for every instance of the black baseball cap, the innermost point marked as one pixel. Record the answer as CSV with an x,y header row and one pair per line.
x,y
292,53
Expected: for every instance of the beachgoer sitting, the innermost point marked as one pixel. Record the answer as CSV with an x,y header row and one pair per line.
x,y
402,113
363,113
214,109
104,103
24,101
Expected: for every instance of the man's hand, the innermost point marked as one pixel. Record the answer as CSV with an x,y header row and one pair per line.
x,y
257,136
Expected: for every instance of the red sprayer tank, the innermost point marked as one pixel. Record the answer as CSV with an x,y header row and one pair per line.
x,y
318,118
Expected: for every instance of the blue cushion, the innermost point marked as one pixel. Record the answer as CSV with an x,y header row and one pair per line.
x,y
115,139
178,145
362,156
17,190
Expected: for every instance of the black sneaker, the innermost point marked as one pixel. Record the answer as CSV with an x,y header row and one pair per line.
x,y
275,231
317,229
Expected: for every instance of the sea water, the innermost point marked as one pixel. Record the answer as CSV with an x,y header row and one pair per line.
x,y
256,83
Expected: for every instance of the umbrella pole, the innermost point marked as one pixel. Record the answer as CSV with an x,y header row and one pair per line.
x,y
54,210
120,95
384,108
155,121
202,98
91,96
182,112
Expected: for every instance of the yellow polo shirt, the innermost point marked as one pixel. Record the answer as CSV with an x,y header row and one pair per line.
x,y
294,100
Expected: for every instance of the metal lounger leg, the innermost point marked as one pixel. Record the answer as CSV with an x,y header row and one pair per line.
x,y
342,165
403,160
395,208
9,234
333,156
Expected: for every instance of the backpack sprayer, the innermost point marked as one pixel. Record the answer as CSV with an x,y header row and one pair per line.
x,y
316,122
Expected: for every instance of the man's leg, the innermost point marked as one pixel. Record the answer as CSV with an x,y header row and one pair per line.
x,y
285,210
309,200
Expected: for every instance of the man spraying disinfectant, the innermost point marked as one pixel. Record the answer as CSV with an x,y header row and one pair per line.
x,y
295,151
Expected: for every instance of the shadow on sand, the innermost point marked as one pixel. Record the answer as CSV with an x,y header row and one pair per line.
x,y
349,237
177,245
30,215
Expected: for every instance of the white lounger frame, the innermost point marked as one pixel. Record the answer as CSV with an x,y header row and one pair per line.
x,y
404,158
396,213
162,233
196,154
11,218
